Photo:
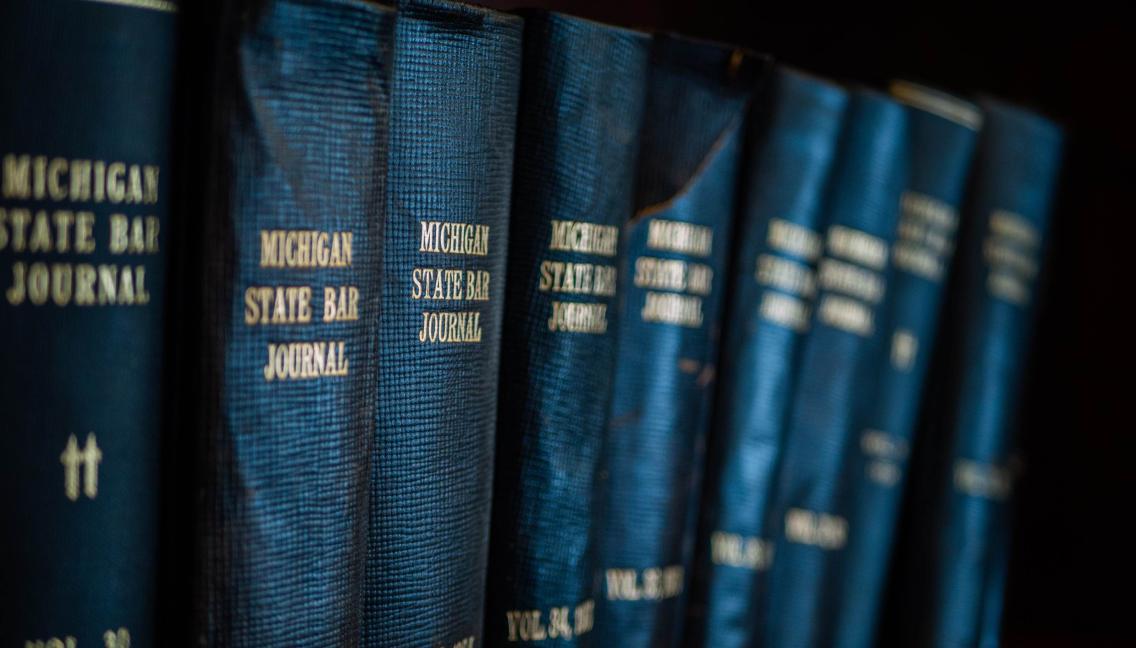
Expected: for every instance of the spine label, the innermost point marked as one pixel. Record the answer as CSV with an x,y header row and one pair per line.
x,y
443,284
73,229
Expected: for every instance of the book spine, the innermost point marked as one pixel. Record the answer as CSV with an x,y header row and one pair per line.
x,y
85,181
773,286
294,251
582,96
675,251
942,136
453,120
862,209
994,589
1016,169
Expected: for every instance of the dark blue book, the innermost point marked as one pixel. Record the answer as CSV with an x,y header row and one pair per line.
x,y
773,286
837,359
942,135
994,589
673,282
999,258
85,183
582,95
453,119
293,248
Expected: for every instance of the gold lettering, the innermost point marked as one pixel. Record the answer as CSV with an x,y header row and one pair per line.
x,y
63,222
585,238
151,184
84,227
653,583
117,240
305,361
38,284
108,284
784,274
859,247
585,617
141,297
40,240
17,176
302,249
669,308
985,480
83,462
441,327
851,280
116,639
17,291
55,170
39,177
100,181
53,642
80,180
846,314
525,625
19,219
577,317
441,237
116,182
85,278
675,236
134,184
61,283
278,305
821,530
793,239
340,304
744,552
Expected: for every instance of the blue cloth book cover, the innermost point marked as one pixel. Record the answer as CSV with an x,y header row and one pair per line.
x,y
85,232
990,317
838,355
942,135
773,284
456,74
293,249
582,94
672,279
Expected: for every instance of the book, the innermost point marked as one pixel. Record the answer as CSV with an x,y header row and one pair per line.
x,y
582,95
837,358
773,281
675,252
293,250
942,135
994,589
85,181
456,72
990,317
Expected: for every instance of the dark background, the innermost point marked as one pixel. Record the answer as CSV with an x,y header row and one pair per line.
x,y
1072,558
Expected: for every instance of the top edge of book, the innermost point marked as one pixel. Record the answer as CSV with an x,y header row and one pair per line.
x,y
165,6
937,103
552,14
454,9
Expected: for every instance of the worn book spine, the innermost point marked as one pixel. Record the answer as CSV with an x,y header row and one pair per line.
x,y
790,157
453,120
293,251
862,206
1016,171
85,177
672,280
582,95
942,135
